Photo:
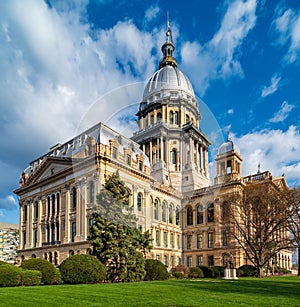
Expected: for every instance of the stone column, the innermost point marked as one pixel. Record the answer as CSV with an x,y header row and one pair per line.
x,y
67,215
39,226
21,241
158,150
83,211
78,212
206,161
197,155
150,152
162,149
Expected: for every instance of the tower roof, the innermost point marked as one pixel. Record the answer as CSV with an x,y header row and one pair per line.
x,y
228,146
168,77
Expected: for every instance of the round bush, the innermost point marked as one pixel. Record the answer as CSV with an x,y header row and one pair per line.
x,y
178,275
155,270
82,269
30,277
207,271
248,270
195,272
45,267
184,269
9,275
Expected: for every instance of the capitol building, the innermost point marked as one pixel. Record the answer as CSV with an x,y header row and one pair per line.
x,y
165,166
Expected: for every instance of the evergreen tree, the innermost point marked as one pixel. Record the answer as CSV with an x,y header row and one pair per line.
x,y
116,241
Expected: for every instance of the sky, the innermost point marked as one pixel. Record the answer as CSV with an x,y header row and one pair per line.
x,y
65,65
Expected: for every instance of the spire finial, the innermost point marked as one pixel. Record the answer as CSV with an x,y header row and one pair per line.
x,y
258,168
168,47
228,135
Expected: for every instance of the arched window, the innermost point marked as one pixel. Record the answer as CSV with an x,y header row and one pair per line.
x,y
74,197
57,202
92,192
139,201
174,156
156,209
71,253
210,213
22,258
53,203
225,211
171,118
33,256
176,118
170,213
164,212
55,258
177,218
189,216
199,214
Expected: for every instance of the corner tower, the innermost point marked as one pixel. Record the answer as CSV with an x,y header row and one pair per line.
x,y
168,120
229,162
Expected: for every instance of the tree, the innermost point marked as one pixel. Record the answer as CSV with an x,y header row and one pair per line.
x,y
294,221
115,240
258,222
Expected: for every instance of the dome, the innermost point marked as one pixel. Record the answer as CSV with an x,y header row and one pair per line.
x,y
228,146
168,78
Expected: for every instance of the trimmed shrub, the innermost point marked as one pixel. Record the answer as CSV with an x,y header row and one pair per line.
x,y
9,275
30,277
155,270
220,269
178,275
82,269
45,267
195,272
248,270
207,271
57,278
216,271
184,269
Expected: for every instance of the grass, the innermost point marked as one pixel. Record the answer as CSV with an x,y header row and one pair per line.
x,y
271,291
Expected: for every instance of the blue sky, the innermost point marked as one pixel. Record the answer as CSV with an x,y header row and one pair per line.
x,y
58,57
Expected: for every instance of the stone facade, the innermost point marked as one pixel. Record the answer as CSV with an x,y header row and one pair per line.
x,y
164,164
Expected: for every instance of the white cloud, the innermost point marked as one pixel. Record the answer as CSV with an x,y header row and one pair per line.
x,y
219,57
287,25
230,111
152,12
282,113
8,203
272,88
276,151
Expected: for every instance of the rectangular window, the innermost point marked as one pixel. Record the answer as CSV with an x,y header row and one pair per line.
x,y
73,231
199,260
128,159
165,260
199,241
224,238
172,240
91,223
210,240
157,257
140,165
188,241
157,239
178,260
189,261
172,261
178,242
114,152
210,260
165,239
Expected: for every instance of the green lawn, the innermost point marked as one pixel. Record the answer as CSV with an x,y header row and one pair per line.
x,y
274,291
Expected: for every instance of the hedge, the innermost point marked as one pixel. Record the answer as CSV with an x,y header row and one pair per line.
x,y
9,275
178,275
195,272
82,269
155,270
30,277
247,270
45,267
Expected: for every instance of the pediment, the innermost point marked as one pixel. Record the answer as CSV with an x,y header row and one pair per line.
x,y
50,167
